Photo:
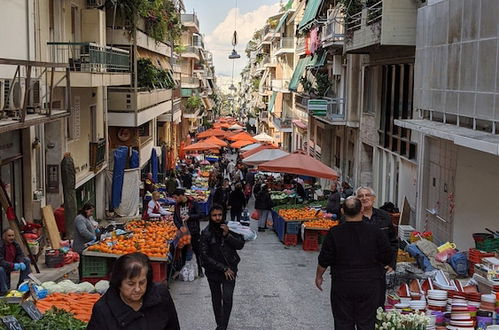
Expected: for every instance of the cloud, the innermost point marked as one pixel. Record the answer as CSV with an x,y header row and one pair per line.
x,y
219,42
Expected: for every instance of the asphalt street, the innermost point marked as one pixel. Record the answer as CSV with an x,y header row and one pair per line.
x,y
274,290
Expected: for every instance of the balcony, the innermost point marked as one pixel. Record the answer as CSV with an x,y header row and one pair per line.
x,y
333,31
301,101
263,116
300,46
190,21
283,125
286,45
191,113
269,33
330,110
198,68
130,108
385,23
177,94
97,155
262,62
189,82
190,52
120,36
280,85
92,65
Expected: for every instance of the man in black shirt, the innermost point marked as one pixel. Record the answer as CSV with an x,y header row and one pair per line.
x,y
356,253
382,220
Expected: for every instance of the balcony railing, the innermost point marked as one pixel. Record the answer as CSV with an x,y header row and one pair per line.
x,y
97,154
336,109
190,18
330,108
301,101
300,45
190,50
280,84
261,62
268,32
264,115
334,30
177,93
282,124
90,57
189,81
127,100
287,43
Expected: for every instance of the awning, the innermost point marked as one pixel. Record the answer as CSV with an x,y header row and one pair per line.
x,y
271,102
461,136
156,59
281,21
265,156
318,60
295,79
298,123
310,13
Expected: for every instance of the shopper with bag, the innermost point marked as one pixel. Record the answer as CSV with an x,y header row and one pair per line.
x,y
263,205
237,202
186,215
219,248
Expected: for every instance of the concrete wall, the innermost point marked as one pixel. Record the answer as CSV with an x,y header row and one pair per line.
x,y
477,189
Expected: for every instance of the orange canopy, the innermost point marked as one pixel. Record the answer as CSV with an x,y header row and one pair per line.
x,y
211,132
300,164
201,146
215,140
257,149
242,136
240,143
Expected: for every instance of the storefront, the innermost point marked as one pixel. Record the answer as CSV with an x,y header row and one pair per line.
x,y
11,172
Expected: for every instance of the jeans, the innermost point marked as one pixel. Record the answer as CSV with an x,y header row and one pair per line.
x,y
264,215
235,215
221,298
5,276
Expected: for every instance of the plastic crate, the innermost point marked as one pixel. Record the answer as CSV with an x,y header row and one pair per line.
x,y
488,245
94,280
95,267
159,271
54,259
290,239
311,240
293,227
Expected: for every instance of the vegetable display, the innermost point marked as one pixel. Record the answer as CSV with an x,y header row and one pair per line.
x,y
324,224
300,214
150,238
79,304
53,319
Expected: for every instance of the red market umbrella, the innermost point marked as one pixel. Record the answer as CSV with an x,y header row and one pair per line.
x,y
257,149
210,132
240,143
242,136
215,140
201,146
299,164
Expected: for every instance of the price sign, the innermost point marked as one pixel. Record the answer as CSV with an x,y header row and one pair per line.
x,y
12,323
32,310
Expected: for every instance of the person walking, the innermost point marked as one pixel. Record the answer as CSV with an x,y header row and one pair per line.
x,y
11,259
334,201
187,213
85,232
220,260
133,301
263,204
357,253
221,196
382,220
237,202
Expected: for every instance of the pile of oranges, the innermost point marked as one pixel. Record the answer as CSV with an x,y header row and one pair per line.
x,y
299,214
320,224
150,238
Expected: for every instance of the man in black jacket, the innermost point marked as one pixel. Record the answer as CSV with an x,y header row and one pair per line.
x,y
356,253
187,213
221,196
11,259
382,220
263,204
220,260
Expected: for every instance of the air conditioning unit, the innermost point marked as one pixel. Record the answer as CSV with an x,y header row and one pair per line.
x,y
95,3
13,93
34,98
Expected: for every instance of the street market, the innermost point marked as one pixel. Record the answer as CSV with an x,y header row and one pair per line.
x,y
343,177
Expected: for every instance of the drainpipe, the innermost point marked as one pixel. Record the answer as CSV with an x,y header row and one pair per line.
x,y
28,44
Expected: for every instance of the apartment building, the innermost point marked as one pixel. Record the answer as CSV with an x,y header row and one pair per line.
x,y
456,106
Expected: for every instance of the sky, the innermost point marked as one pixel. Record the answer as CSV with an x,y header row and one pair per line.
x,y
216,22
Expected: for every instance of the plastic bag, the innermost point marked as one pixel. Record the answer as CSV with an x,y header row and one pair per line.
x,y
245,215
248,233
445,255
183,237
459,263
188,272
255,215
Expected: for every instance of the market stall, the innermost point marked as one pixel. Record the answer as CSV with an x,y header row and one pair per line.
x,y
300,164
264,156
256,149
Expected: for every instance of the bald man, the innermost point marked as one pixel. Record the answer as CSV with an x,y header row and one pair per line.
x,y
356,253
11,259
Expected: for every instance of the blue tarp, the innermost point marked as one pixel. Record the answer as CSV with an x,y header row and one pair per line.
x,y
154,165
120,158
134,159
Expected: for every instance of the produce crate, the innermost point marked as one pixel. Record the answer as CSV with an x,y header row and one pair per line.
x,y
94,280
486,242
54,259
293,227
159,271
95,266
279,226
290,239
311,240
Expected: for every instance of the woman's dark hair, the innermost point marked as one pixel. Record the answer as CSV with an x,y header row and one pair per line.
x,y
85,208
130,266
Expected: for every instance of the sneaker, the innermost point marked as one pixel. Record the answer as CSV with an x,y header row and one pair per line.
x,y
261,230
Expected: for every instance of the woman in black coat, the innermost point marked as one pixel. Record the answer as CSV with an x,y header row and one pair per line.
x,y
237,202
133,301
220,261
